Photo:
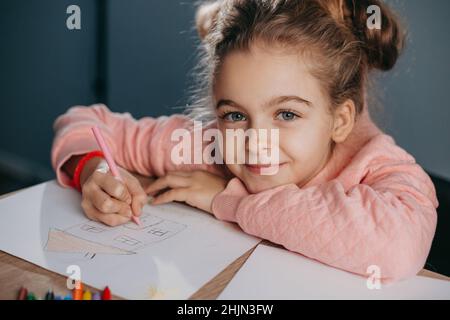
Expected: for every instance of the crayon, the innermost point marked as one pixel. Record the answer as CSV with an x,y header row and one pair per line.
x,y
31,296
49,295
106,294
87,295
96,296
77,293
68,297
23,292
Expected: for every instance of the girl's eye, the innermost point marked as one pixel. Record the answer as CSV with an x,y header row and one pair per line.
x,y
234,117
286,116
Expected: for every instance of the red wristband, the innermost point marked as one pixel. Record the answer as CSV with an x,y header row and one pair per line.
x,y
80,166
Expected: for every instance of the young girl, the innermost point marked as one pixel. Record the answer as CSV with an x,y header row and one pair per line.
x,y
344,193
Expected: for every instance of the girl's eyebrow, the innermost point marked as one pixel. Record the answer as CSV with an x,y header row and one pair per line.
x,y
272,102
283,99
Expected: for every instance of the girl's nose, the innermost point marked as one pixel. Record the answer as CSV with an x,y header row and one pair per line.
x,y
258,140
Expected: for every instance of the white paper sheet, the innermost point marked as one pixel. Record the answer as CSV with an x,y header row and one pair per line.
x,y
274,273
176,251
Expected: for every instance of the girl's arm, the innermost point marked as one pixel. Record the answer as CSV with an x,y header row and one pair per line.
x,y
388,220
141,146
70,165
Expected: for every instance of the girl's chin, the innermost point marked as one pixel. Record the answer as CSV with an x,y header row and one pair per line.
x,y
256,183
262,183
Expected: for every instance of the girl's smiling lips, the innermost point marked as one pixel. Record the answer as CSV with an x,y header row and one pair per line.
x,y
259,168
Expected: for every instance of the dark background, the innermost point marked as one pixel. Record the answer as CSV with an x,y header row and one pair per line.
x,y
136,55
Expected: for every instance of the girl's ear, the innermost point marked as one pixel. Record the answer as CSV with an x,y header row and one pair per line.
x,y
344,120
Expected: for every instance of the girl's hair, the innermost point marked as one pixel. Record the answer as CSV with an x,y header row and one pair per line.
x,y
332,34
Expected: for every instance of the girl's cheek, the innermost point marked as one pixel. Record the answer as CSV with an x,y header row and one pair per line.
x,y
301,145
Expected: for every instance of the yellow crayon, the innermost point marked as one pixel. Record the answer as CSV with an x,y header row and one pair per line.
x,y
87,295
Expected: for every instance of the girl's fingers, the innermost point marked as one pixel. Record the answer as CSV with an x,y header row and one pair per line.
x,y
168,181
110,219
114,187
139,197
106,204
138,203
125,210
179,194
181,173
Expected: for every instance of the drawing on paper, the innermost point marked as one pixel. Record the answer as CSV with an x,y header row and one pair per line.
x,y
127,240
89,228
92,237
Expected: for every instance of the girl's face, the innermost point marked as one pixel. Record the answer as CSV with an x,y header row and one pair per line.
x,y
268,89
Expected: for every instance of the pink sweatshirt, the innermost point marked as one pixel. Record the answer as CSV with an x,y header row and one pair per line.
x,y
371,205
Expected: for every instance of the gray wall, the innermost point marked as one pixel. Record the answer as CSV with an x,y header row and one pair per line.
x,y
415,95
151,49
43,69
46,68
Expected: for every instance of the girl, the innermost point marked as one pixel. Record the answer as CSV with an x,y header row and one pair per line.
x,y
344,193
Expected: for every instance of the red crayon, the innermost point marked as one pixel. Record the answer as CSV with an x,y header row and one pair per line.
x,y
22,294
106,295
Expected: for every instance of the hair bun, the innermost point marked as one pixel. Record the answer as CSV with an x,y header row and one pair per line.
x,y
383,46
205,17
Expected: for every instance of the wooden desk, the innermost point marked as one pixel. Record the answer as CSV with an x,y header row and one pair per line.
x,y
15,272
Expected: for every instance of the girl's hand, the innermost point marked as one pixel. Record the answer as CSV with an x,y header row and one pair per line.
x,y
108,200
197,188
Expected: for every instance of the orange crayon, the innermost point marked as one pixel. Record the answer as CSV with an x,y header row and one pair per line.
x,y
77,293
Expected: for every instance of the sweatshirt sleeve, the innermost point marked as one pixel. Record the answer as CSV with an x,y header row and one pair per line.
x,y
143,146
388,220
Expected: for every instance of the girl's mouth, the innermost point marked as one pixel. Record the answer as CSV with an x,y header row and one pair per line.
x,y
263,169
